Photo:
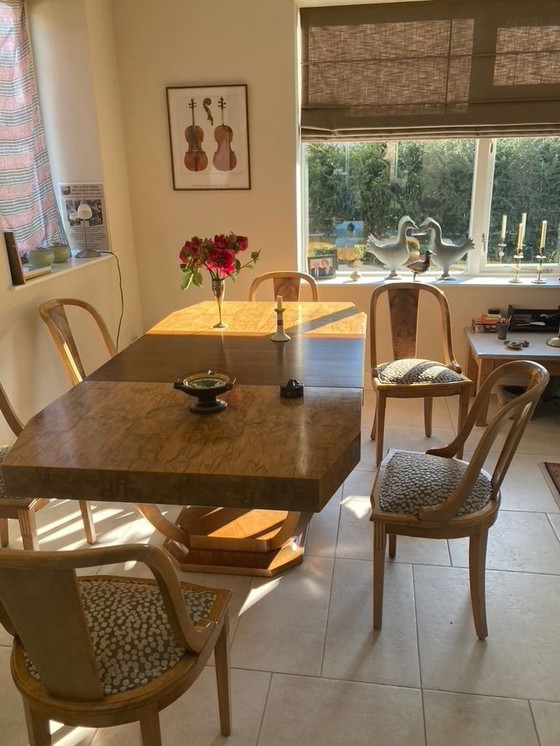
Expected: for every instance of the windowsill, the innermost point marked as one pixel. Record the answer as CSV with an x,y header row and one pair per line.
x,y
487,280
61,268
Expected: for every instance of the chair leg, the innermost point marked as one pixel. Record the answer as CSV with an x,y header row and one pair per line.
x,y
392,545
428,408
221,657
4,532
464,400
38,729
28,528
379,425
149,727
477,576
379,544
89,526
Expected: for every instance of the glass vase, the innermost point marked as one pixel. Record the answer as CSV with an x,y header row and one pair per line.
x,y
218,289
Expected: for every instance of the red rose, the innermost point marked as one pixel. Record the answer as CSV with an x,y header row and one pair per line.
x,y
242,242
221,261
221,242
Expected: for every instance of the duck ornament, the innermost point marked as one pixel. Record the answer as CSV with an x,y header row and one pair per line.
x,y
444,253
393,253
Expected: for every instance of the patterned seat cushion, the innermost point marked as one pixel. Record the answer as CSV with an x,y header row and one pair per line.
x,y
416,370
418,480
131,637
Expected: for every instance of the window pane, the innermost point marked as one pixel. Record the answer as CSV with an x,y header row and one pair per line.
x,y
526,180
360,188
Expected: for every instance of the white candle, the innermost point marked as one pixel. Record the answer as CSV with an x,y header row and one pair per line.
x,y
543,234
279,302
503,232
524,226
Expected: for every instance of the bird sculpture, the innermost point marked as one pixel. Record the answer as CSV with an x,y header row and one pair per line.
x,y
393,253
421,265
445,253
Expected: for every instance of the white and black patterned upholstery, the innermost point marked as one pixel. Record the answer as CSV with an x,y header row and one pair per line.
x,y
416,370
418,480
131,637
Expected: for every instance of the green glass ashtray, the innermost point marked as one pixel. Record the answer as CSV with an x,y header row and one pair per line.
x,y
205,386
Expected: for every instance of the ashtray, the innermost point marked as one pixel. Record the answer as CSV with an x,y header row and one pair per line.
x,y
514,345
206,385
292,390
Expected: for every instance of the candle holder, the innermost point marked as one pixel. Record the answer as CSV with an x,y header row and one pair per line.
x,y
516,266
539,281
280,335
501,250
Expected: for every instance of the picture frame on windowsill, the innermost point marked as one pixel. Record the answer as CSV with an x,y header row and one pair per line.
x,y
322,266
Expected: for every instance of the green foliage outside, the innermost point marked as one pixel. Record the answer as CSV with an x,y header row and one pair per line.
x,y
377,183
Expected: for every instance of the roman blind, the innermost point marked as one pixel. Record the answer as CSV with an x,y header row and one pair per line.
x,y
438,68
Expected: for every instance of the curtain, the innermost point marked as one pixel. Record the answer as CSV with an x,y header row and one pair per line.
x,y
28,205
440,68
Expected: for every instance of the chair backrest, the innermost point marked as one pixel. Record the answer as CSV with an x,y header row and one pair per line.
x,y
403,300
511,420
9,415
287,284
40,604
54,315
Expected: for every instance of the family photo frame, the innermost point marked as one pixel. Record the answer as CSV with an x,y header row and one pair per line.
x,y
209,137
323,266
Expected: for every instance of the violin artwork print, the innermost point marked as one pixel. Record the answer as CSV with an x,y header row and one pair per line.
x,y
224,157
209,136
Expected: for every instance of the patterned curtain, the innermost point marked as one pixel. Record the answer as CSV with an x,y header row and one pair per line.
x,y
27,200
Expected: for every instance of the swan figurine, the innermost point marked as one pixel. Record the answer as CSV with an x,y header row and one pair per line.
x,y
394,252
444,252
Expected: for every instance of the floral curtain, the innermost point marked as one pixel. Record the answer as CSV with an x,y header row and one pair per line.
x,y
27,201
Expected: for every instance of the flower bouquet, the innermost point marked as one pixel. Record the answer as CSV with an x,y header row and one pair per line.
x,y
218,256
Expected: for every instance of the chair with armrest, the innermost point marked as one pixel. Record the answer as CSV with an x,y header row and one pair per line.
x,y
436,495
54,315
23,509
96,651
406,376
287,284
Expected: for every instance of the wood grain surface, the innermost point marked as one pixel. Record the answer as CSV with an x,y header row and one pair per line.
x,y
139,442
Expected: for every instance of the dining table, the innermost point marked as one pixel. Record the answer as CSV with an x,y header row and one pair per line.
x,y
250,476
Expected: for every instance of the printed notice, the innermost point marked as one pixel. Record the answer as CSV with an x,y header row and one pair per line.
x,y
84,217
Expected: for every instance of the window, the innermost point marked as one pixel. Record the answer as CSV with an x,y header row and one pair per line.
x,y
27,202
358,188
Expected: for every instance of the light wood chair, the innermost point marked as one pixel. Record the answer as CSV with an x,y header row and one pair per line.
x,y
287,284
54,315
436,495
406,376
96,651
23,509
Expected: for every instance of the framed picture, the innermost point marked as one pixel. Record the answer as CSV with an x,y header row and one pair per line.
x,y
14,259
209,137
323,266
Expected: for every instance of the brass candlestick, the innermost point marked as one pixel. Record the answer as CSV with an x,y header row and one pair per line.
x,y
501,250
516,266
540,258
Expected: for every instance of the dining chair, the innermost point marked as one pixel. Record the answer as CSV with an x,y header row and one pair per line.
x,y
287,284
407,376
53,313
23,509
103,650
436,495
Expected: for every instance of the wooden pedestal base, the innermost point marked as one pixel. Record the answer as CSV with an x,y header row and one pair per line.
x,y
233,541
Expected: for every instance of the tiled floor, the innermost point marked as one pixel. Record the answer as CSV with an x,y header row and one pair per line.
x,y
307,667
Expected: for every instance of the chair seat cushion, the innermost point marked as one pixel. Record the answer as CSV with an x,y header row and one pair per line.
x,y
416,370
131,637
419,480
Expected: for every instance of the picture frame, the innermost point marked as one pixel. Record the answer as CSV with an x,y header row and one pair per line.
x,y
209,137
322,266
14,259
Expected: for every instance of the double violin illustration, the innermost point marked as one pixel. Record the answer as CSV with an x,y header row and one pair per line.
x,y
224,158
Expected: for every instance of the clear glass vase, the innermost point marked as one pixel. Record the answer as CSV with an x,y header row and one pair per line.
x,y
218,289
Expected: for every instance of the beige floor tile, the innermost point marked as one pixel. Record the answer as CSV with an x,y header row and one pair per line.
x,y
517,541
282,625
547,720
525,487
355,533
316,712
359,483
467,720
414,438
521,656
408,412
554,519
193,719
414,550
323,529
353,649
